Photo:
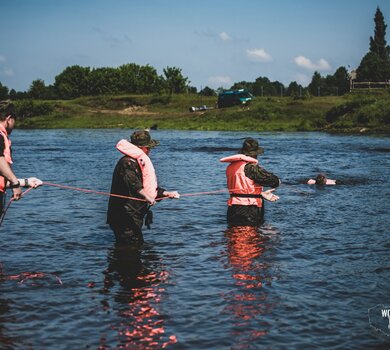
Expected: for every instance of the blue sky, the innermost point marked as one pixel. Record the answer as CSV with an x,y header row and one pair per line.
x,y
214,42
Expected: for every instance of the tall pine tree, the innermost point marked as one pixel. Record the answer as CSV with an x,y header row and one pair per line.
x,y
375,65
378,42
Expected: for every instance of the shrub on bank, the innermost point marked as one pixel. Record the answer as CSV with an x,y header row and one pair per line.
x,y
29,108
172,112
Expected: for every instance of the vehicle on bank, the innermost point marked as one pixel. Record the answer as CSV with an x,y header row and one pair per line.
x,y
231,98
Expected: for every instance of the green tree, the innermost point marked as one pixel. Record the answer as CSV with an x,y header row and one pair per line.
x,y
51,92
294,89
317,83
72,82
137,79
103,81
192,90
378,42
341,80
278,87
12,94
206,91
175,81
148,80
373,68
128,77
262,87
37,89
3,92
375,65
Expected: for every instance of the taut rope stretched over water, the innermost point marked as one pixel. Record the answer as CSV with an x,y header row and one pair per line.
x,y
128,197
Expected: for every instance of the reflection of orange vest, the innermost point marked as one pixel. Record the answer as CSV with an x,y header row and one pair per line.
x,y
149,179
249,193
7,154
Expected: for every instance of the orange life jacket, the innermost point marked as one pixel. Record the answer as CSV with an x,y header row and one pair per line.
x,y
7,154
247,191
149,178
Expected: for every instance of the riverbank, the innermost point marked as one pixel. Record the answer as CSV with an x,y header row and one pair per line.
x,y
366,112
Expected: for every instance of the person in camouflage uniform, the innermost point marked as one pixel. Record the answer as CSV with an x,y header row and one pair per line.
x,y
251,215
125,216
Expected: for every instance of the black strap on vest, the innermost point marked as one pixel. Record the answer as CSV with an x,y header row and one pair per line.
x,y
244,195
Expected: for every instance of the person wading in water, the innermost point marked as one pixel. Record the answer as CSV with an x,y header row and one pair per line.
x,y
245,181
8,178
134,176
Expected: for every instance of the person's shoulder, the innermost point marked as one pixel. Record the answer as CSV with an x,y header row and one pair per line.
x,y
252,168
128,163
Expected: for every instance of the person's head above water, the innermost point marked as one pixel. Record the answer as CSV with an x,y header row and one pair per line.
x,y
321,179
251,148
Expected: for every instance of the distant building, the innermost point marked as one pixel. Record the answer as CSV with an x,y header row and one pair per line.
x,y
352,78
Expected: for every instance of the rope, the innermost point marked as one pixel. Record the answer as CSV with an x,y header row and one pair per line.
x,y
9,204
128,197
92,191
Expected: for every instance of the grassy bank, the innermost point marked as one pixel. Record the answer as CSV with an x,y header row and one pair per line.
x,y
366,112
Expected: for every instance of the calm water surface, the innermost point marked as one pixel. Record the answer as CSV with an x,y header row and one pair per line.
x,y
304,281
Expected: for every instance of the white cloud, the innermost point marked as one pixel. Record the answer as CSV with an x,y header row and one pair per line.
x,y
321,65
2,59
224,36
220,80
258,55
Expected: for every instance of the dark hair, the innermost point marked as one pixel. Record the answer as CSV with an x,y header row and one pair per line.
x,y
7,108
321,179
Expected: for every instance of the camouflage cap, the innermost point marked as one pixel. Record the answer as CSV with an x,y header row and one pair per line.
x,y
251,147
142,138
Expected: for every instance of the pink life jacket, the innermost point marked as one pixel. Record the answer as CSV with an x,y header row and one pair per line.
x,y
7,154
239,183
149,178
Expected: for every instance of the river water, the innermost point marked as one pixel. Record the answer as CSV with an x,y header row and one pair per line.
x,y
306,280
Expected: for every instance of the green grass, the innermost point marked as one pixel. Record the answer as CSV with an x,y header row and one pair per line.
x,y
349,113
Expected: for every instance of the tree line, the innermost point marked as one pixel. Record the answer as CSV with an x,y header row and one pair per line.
x,y
76,81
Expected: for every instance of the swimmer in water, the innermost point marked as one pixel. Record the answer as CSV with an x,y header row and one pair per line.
x,y
321,179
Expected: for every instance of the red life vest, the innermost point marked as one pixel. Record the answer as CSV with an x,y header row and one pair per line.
x,y
239,183
149,178
7,154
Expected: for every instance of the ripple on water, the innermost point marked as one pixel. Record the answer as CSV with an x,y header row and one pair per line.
x,y
306,277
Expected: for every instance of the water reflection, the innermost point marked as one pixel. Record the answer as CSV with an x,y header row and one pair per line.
x,y
249,302
5,340
137,286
